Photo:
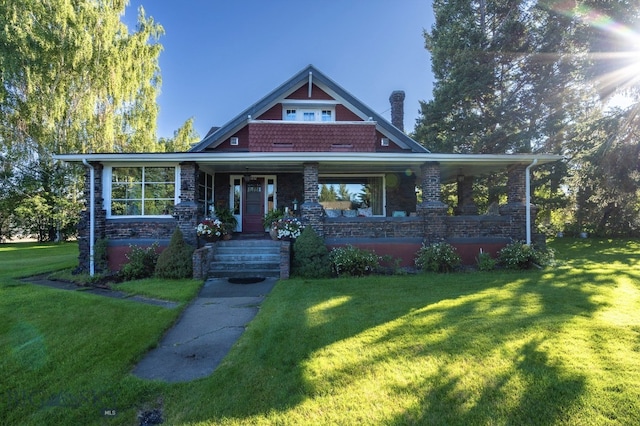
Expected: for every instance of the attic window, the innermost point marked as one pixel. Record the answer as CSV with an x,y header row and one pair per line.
x,y
309,114
384,142
233,141
290,115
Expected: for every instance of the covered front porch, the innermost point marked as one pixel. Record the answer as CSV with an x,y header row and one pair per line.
x,y
409,209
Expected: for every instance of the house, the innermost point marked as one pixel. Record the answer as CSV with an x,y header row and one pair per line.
x,y
295,149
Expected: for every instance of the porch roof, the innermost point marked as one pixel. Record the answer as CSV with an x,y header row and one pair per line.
x,y
451,165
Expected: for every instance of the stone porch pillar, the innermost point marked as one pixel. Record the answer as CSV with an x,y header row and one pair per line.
x,y
99,213
186,212
432,209
311,209
466,204
516,206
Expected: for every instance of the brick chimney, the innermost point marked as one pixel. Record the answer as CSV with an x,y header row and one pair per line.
x,y
397,108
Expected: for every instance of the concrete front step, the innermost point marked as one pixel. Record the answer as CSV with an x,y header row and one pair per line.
x,y
246,258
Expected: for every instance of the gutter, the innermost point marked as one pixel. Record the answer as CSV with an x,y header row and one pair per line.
x,y
528,198
92,221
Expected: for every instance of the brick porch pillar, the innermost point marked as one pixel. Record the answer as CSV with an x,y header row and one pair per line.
x,y
186,212
516,206
432,209
311,209
466,204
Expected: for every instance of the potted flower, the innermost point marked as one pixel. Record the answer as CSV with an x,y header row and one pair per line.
x,y
210,229
270,217
229,221
286,228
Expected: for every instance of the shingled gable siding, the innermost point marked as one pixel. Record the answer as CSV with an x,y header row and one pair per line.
x,y
311,137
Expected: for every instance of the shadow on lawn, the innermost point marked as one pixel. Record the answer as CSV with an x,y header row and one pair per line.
x,y
473,317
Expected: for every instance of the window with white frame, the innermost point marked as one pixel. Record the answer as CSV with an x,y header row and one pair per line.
x,y
308,114
363,192
142,191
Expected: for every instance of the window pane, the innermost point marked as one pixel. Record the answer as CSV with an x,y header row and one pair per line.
x,y
326,115
126,207
126,174
290,115
159,174
158,190
309,116
126,190
158,207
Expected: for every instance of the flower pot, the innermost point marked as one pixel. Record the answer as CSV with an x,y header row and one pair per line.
x,y
273,233
226,237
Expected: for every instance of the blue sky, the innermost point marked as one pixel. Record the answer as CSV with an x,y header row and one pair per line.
x,y
222,56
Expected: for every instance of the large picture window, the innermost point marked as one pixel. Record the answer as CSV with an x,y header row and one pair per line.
x,y
360,192
142,191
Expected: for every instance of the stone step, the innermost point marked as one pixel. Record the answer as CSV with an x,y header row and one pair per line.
x,y
239,257
246,258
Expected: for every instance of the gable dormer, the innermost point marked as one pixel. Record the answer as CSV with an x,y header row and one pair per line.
x,y
308,113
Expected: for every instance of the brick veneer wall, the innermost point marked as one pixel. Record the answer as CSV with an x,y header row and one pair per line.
x,y
373,227
401,194
290,187
140,228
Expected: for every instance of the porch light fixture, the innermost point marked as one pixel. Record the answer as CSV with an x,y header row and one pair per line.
x,y
295,204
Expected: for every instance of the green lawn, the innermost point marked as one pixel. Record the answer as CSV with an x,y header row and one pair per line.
x,y
559,346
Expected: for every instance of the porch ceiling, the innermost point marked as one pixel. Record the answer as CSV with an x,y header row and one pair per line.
x,y
451,165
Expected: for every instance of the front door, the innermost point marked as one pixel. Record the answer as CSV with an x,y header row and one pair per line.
x,y
254,195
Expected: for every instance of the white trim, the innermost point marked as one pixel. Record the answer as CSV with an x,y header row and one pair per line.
x,y
265,200
304,157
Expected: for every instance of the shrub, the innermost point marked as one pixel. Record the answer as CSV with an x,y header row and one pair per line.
x,y
485,261
352,261
310,255
176,261
519,255
142,262
437,257
100,259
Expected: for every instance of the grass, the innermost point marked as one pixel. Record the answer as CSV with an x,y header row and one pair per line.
x,y
558,346
65,357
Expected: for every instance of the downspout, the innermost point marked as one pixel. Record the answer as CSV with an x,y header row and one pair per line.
x,y
528,198
92,218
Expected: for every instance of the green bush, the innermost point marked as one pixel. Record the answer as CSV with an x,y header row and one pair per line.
x,y
176,261
519,255
485,262
142,262
310,255
352,261
437,257
100,259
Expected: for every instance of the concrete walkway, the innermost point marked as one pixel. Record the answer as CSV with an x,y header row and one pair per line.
x,y
205,332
